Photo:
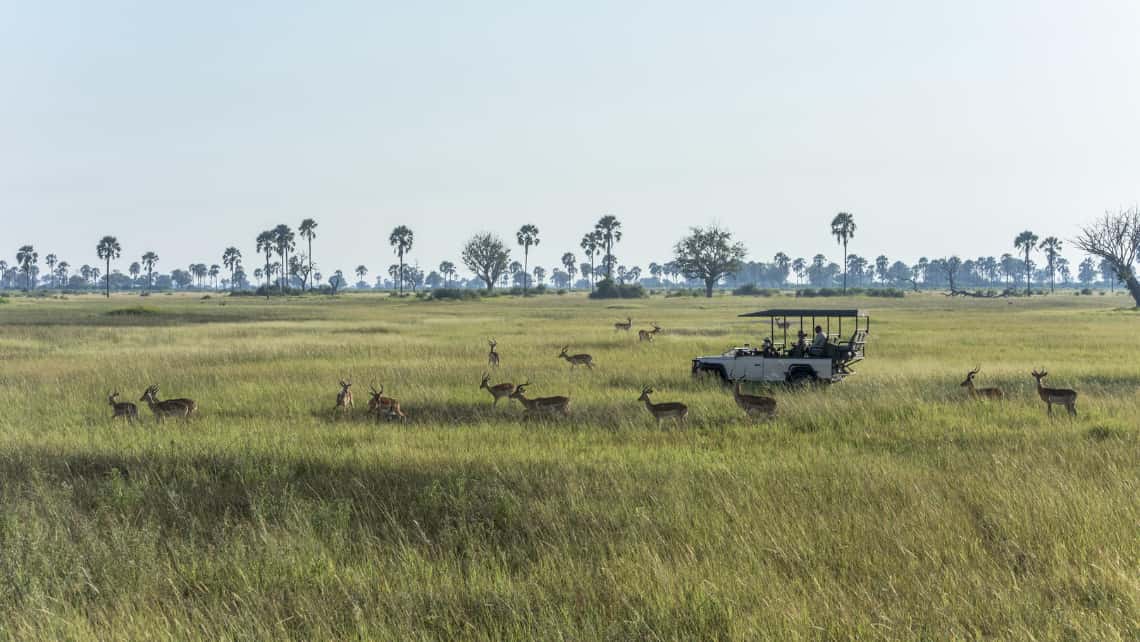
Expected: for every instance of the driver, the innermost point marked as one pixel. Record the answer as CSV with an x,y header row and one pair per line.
x,y
820,340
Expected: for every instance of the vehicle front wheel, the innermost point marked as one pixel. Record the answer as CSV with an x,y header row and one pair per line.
x,y
801,378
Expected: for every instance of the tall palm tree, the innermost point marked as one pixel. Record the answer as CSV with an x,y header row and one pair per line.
x,y
589,245
215,270
447,269
401,239
1052,248
26,257
361,271
148,261
61,272
51,261
570,262
1026,241
609,227
283,241
527,236
134,270
266,243
308,230
782,263
798,267
107,249
231,258
843,229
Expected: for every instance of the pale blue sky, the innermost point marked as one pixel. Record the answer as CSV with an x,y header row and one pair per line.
x,y
945,127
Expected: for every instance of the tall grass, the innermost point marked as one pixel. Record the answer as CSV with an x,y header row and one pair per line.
x,y
887,507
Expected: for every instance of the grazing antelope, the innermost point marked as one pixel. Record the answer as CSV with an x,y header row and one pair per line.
x,y
783,323
754,405
492,356
624,326
498,391
124,409
647,335
980,393
577,359
380,405
344,397
677,410
169,408
541,404
1059,396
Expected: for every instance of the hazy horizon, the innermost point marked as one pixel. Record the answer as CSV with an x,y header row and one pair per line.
x,y
945,128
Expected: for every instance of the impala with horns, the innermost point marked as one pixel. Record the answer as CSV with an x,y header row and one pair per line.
x,y
1060,396
624,326
754,405
980,393
124,409
492,356
382,406
559,404
669,409
647,335
168,408
577,359
344,397
498,391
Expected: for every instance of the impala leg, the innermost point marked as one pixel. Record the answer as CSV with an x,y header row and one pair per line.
x,y
1072,408
1050,407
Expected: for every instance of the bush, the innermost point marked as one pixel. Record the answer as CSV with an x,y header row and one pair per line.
x,y
886,293
1086,291
750,289
607,289
454,294
135,311
3,300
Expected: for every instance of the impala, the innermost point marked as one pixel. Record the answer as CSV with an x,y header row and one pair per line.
x,y
169,408
980,393
344,397
124,409
380,405
674,409
492,356
647,335
498,391
541,404
577,359
783,323
1060,396
624,326
754,405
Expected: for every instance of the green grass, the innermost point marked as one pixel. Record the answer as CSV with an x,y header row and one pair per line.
x,y
888,507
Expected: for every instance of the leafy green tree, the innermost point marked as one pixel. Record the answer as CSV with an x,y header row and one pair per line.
x,y
231,258
1026,242
308,231
843,229
401,241
108,248
526,236
1086,271
609,229
26,258
487,257
447,269
1051,245
708,254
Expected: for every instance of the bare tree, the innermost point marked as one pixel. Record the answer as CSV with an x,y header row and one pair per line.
x,y
1116,239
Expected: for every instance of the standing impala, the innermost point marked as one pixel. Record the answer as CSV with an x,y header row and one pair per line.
x,y
980,393
498,391
1060,396
624,326
380,405
647,335
541,404
169,408
124,409
577,359
674,409
492,356
344,397
754,405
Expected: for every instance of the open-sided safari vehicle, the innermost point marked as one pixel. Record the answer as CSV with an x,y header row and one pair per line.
x,y
785,357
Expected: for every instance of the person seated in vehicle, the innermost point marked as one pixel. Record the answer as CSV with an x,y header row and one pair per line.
x,y
800,348
819,344
768,350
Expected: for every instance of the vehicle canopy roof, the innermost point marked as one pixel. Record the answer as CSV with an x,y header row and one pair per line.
x,y
808,312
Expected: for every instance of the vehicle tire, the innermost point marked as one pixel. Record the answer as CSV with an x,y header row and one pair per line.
x,y
802,377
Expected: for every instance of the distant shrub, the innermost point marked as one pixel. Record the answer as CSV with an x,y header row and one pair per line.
x,y
135,311
206,297
887,293
3,300
750,289
454,294
608,289
1102,293
561,291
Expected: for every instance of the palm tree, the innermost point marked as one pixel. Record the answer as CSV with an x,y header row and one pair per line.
x,y
401,239
447,269
527,236
107,249
265,243
1026,241
26,257
148,261
215,270
798,267
1052,248
570,262
51,261
283,241
843,229
134,270
396,271
308,230
610,230
231,258
360,272
589,245
61,272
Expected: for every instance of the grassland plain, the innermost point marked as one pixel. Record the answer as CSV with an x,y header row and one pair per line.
x,y
888,507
